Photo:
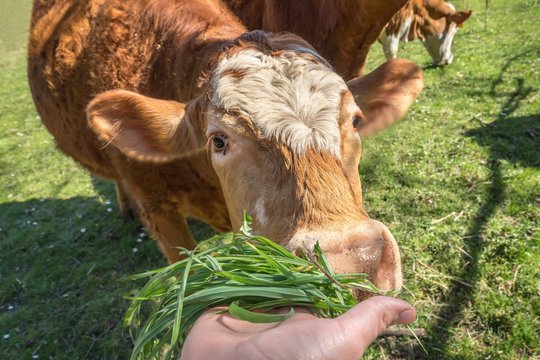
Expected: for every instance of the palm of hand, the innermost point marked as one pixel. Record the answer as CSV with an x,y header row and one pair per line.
x,y
302,336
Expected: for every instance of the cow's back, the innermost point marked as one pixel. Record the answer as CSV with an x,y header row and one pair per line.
x,y
78,49
73,54
342,31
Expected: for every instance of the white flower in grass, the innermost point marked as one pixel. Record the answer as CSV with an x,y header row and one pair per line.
x,y
134,250
6,336
10,307
109,209
83,230
139,240
35,356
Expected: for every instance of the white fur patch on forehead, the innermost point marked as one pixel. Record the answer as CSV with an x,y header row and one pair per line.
x,y
292,100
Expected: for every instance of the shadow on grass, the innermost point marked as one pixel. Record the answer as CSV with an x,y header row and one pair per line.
x,y
460,293
62,265
508,138
62,262
513,139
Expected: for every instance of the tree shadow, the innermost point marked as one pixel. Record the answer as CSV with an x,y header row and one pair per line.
x,y
62,265
513,139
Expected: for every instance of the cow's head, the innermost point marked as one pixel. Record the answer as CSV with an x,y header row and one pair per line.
x,y
439,22
282,130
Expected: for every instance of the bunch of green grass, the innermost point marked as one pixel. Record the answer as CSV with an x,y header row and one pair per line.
x,y
242,271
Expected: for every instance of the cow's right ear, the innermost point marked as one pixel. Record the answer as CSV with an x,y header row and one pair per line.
x,y
144,128
385,94
460,17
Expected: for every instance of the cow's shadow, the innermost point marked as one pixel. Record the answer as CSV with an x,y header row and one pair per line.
x,y
64,261
61,276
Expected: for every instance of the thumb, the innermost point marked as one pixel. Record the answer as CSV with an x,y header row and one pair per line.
x,y
371,317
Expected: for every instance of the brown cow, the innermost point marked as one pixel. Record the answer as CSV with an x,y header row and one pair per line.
x,y
434,22
342,31
191,115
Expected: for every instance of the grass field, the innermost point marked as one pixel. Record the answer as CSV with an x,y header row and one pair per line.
x,y
457,182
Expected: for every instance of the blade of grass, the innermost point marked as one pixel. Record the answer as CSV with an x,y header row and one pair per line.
x,y
240,313
180,299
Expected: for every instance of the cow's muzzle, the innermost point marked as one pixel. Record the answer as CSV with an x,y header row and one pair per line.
x,y
367,247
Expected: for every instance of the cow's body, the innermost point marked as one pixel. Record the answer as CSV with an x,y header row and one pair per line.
x,y
342,31
103,45
434,22
212,120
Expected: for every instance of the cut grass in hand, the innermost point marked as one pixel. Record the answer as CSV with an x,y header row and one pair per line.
x,y
250,274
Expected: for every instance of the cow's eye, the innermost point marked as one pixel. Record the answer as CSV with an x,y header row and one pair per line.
x,y
220,142
356,120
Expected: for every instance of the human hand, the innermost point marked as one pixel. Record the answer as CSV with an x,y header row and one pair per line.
x,y
302,336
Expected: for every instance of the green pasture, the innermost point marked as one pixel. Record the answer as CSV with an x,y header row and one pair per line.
x,y
457,182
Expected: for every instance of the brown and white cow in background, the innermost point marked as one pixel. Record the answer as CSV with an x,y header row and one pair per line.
x,y
434,22
191,115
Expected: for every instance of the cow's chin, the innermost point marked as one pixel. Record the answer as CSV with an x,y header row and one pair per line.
x,y
447,60
367,247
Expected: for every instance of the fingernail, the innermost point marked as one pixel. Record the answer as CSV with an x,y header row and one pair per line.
x,y
406,316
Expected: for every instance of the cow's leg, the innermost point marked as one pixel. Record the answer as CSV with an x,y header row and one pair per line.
x,y
390,44
170,230
127,205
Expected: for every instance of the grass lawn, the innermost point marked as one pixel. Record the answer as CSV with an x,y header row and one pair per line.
x,y
457,182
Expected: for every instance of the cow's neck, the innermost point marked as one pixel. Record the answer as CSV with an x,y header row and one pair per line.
x,y
357,27
186,52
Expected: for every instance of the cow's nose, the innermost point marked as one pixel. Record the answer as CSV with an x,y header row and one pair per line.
x,y
445,61
367,247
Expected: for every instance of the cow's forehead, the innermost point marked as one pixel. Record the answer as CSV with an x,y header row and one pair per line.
x,y
291,98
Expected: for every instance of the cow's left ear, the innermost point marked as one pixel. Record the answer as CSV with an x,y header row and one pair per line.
x,y
460,17
145,128
385,94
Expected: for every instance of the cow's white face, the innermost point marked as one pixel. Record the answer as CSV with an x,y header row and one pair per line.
x,y
440,33
439,45
291,98
282,141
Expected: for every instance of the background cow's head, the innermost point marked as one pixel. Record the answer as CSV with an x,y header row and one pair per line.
x,y
282,131
438,27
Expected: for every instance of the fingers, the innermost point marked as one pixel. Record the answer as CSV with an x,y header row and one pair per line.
x,y
368,319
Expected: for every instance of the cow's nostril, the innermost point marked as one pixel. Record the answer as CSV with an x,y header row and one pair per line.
x,y
367,247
